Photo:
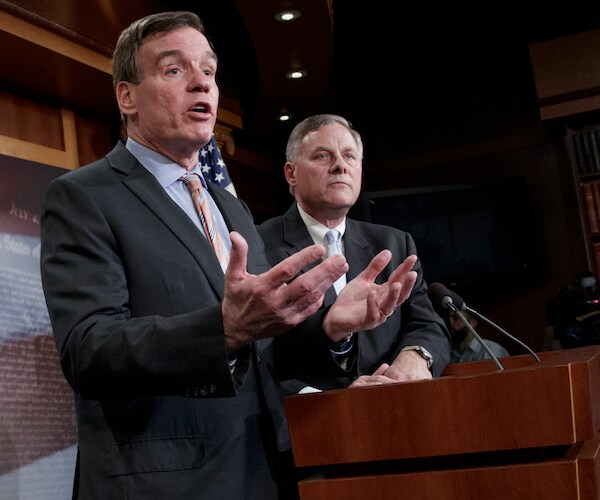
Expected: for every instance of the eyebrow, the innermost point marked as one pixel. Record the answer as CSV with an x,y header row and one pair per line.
x,y
179,53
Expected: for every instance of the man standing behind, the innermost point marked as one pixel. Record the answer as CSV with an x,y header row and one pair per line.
x,y
324,169
465,347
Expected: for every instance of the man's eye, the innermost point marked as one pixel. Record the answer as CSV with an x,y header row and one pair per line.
x,y
173,71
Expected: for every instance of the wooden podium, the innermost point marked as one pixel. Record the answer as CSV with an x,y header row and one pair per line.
x,y
529,432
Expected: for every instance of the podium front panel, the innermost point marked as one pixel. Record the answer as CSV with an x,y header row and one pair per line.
x,y
530,405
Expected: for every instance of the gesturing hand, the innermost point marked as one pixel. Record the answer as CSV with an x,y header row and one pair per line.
x,y
266,305
363,304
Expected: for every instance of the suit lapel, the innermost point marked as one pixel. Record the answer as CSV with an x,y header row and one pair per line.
x,y
143,184
296,236
356,249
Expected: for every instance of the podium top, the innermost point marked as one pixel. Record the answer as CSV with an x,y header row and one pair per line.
x,y
528,405
563,357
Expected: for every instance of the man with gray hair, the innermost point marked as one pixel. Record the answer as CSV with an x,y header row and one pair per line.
x,y
324,172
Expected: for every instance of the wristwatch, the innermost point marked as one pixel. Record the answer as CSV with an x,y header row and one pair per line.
x,y
421,351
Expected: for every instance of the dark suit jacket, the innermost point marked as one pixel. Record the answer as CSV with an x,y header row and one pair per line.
x,y
134,293
414,323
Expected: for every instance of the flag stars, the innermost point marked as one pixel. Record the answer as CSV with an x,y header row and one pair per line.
x,y
213,166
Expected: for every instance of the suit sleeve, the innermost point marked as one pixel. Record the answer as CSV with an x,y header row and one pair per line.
x,y
417,323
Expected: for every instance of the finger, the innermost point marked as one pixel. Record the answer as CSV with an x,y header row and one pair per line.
x,y
407,287
290,267
398,292
312,285
376,265
403,269
382,369
386,305
367,380
238,256
404,277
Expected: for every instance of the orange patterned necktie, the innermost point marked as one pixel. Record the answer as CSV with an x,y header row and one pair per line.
x,y
195,187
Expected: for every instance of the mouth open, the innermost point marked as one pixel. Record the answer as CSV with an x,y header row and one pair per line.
x,y
200,108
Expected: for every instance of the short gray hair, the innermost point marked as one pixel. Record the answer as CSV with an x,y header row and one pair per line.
x,y
313,123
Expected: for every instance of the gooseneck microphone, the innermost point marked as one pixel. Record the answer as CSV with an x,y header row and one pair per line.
x,y
437,294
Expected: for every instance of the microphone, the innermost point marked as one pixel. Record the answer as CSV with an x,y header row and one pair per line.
x,y
439,293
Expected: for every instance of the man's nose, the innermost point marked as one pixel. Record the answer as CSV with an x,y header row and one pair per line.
x,y
200,82
339,165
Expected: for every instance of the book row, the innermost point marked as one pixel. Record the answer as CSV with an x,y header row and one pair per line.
x,y
586,148
590,192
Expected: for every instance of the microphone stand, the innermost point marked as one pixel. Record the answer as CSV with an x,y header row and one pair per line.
x,y
450,305
503,331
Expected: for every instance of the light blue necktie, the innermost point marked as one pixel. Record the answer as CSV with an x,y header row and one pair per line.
x,y
341,349
334,246
333,242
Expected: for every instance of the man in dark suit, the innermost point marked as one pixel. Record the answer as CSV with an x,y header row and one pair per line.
x,y
324,170
168,357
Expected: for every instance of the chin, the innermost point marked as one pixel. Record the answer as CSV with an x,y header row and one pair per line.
x,y
344,201
202,132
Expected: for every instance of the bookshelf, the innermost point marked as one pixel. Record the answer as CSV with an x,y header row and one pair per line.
x,y
583,148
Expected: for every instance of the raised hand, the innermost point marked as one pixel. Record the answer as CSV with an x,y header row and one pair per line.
x,y
364,304
266,305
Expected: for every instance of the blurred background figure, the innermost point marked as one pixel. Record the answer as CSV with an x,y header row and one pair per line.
x,y
465,346
574,314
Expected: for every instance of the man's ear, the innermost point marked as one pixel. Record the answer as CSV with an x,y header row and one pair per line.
x,y
125,94
290,173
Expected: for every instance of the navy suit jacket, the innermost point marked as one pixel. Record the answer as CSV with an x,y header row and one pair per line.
x,y
134,294
414,323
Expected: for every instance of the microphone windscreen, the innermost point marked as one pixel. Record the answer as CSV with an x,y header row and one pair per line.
x,y
437,292
447,302
456,299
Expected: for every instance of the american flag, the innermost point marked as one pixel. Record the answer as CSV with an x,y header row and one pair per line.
x,y
213,167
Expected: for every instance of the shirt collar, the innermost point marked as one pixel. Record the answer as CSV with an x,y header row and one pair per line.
x,y
164,169
317,230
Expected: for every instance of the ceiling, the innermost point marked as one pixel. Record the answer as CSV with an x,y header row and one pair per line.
x,y
419,77
415,78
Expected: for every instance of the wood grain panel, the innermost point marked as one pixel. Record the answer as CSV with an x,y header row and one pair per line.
x,y
555,480
538,405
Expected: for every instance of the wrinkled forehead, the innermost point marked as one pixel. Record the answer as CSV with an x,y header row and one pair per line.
x,y
330,136
184,40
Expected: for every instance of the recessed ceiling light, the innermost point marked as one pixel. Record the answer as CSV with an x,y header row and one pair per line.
x,y
286,16
296,74
284,117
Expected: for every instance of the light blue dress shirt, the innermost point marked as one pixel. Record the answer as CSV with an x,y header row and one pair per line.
x,y
167,173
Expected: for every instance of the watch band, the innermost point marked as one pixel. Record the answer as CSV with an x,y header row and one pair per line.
x,y
421,351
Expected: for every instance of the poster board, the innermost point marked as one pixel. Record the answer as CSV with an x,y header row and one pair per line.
x,y
37,415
